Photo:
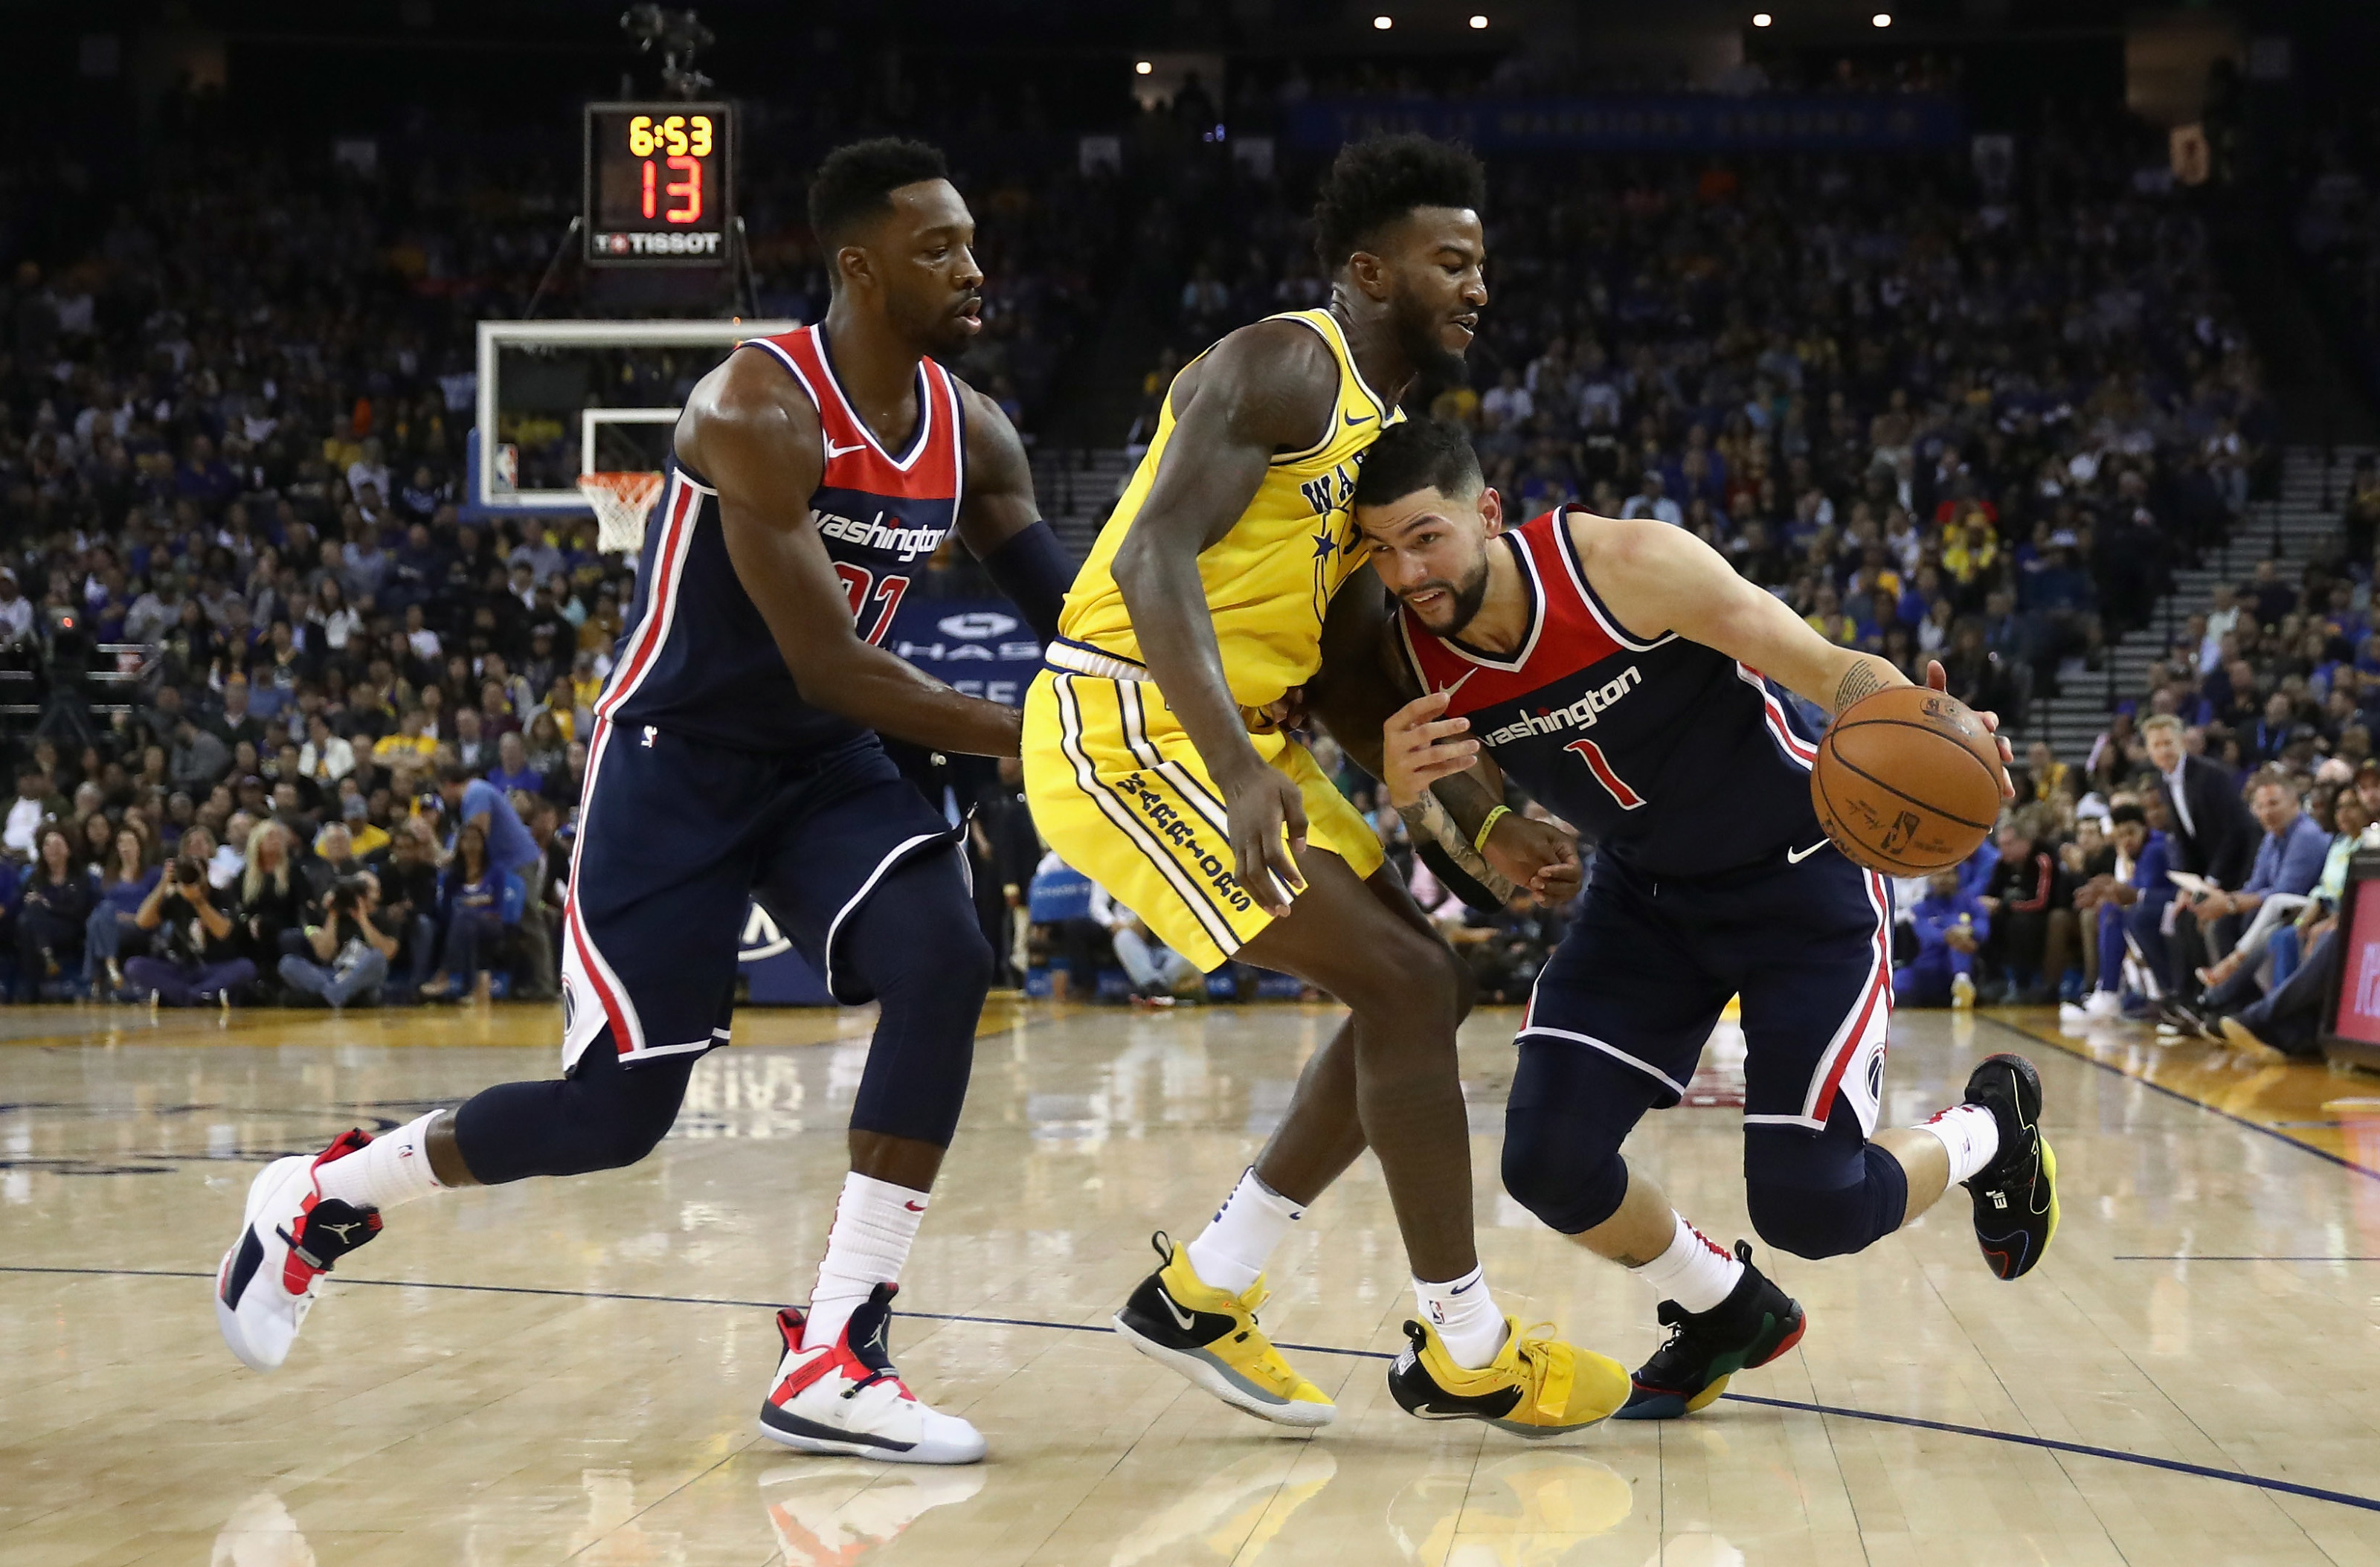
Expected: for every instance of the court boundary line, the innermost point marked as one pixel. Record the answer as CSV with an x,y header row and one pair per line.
x,y
2109,1067
2210,1257
2052,1444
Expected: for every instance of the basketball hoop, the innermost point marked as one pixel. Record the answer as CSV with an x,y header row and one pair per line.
x,y
620,502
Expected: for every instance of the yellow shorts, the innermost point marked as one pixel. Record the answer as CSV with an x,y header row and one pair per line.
x,y
1118,791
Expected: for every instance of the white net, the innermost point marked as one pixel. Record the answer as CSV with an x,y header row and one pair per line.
x,y
621,502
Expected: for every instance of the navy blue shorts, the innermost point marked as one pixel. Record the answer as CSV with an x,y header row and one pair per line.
x,y
1644,971
677,837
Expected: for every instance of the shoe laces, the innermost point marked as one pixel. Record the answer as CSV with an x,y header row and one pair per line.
x,y
1548,1368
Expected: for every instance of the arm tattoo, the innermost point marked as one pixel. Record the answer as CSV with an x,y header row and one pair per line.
x,y
1426,817
1862,679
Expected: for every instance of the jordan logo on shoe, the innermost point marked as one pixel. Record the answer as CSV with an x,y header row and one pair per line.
x,y
1184,1319
341,1231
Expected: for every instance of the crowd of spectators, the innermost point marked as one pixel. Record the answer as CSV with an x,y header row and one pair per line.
x,y
1942,418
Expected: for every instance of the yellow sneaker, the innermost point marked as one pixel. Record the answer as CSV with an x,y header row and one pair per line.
x,y
1178,1320
1535,1387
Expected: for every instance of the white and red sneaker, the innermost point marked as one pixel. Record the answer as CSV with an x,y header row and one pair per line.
x,y
291,1237
845,1399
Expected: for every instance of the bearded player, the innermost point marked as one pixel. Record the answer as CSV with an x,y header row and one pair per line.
x,y
734,757
1625,675
1150,766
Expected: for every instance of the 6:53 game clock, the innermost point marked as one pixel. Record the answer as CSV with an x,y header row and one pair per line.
x,y
659,183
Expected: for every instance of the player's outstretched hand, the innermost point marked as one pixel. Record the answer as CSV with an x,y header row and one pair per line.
x,y
1418,746
1261,802
1939,679
1535,855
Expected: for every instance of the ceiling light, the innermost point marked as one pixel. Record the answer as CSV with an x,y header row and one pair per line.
x,y
1882,18
1762,19
1142,68
1382,24
1478,23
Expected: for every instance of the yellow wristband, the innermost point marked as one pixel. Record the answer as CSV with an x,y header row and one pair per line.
x,y
1479,839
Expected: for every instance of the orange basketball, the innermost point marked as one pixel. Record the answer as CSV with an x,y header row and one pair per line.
x,y
1907,782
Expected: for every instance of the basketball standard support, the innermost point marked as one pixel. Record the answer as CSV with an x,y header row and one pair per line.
x,y
490,493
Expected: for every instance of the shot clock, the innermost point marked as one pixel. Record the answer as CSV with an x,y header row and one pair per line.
x,y
660,184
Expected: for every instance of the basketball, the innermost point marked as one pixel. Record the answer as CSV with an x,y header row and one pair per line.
x,y
1907,780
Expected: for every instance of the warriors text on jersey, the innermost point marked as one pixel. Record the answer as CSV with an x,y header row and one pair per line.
x,y
697,660
1673,756
1269,580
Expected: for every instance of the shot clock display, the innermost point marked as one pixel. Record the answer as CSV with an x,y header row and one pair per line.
x,y
660,184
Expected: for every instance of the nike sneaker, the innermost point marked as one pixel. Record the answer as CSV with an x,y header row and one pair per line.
x,y
290,1238
1178,1320
1535,1387
2016,1195
845,1399
1753,1326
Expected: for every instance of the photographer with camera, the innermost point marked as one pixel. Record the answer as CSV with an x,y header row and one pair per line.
x,y
350,953
195,945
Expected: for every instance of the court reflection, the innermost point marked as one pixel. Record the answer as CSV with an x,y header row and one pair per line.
x,y
1233,1514
834,1515
1529,1510
260,1533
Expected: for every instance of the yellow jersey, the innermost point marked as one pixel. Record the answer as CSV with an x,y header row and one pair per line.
x,y
1270,580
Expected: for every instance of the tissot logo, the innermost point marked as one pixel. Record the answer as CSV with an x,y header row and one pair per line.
x,y
762,937
977,624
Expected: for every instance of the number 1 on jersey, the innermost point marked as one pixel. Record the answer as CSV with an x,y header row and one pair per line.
x,y
857,582
1592,754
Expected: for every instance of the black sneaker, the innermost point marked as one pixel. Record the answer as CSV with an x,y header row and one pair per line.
x,y
2016,1195
1753,1326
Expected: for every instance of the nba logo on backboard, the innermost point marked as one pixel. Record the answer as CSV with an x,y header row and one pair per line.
x,y
2367,983
507,467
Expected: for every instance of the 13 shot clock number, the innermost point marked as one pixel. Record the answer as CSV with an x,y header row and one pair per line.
x,y
659,183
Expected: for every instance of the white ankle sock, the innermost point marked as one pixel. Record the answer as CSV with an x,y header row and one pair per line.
x,y
393,1167
1463,1312
1233,1249
1971,1133
874,1222
1696,1271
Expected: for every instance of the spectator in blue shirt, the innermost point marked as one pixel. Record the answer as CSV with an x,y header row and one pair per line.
x,y
478,803
123,887
2132,910
512,771
479,901
1951,925
2289,863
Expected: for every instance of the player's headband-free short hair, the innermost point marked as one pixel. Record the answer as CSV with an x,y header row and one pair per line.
x,y
2160,720
856,183
1419,454
2119,815
1372,184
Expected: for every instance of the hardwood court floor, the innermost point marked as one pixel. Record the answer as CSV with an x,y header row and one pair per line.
x,y
569,1370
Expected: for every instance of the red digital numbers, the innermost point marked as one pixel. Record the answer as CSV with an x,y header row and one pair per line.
x,y
687,191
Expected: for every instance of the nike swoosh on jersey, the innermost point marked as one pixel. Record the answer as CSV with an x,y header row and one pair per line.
x,y
833,450
1796,856
1352,419
1457,685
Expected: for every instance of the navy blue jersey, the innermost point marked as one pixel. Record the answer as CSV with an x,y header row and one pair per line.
x,y
697,659
1672,756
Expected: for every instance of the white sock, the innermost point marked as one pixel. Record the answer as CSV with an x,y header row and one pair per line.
x,y
1464,1314
1233,1249
1971,1133
874,1222
1696,1271
393,1167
